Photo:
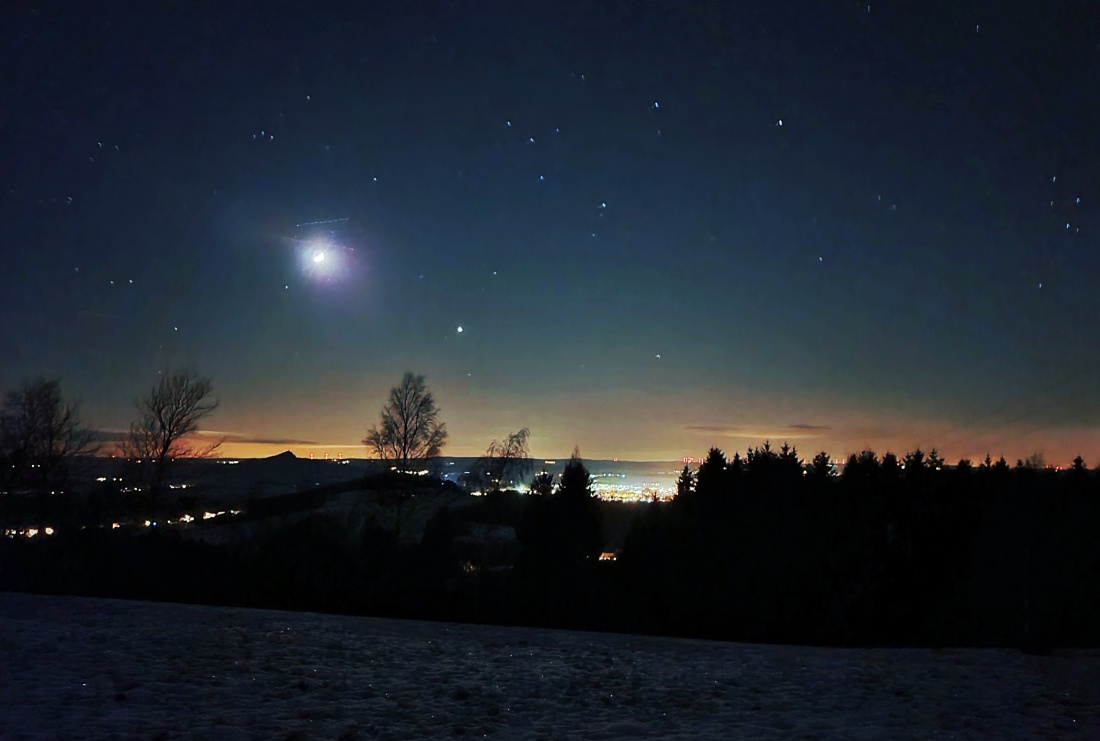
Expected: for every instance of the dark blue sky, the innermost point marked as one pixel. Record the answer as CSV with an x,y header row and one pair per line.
x,y
842,226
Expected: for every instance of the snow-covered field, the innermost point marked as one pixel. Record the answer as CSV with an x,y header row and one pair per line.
x,y
74,668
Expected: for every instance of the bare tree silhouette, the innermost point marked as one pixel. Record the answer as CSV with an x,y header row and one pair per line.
x,y
505,463
40,435
410,431
168,416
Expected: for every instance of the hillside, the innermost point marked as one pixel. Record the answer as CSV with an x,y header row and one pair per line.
x,y
80,668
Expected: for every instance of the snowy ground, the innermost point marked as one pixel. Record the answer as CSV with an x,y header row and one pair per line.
x,y
74,668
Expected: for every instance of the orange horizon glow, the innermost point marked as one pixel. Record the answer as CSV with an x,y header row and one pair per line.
x,y
1056,451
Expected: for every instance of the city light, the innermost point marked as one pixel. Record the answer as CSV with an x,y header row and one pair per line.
x,y
28,532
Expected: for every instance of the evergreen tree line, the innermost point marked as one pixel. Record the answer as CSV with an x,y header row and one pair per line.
x,y
890,552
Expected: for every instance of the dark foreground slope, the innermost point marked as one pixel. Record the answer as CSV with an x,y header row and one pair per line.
x,y
80,668
888,554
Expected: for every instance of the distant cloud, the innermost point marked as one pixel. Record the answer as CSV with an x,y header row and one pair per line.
x,y
274,441
109,436
718,429
241,437
236,438
789,432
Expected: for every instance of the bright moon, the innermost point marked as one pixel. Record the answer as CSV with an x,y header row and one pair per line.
x,y
319,256
460,330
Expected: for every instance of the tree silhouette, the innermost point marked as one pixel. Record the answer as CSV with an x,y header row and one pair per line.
x,y
168,415
543,484
410,431
561,540
576,482
562,532
685,483
1035,461
788,465
862,467
820,468
914,462
578,513
736,466
762,460
934,462
506,462
711,478
40,435
890,466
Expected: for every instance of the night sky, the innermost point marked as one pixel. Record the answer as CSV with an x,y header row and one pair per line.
x,y
660,226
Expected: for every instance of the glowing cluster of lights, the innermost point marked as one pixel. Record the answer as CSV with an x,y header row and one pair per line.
x,y
184,519
613,492
28,532
338,459
424,472
638,493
